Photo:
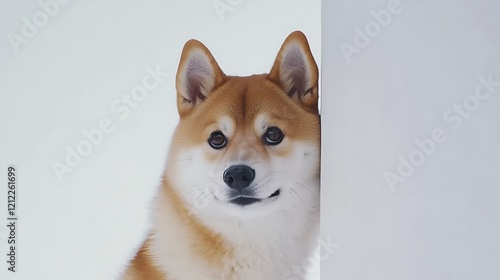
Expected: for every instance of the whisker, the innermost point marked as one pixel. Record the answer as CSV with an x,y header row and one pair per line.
x,y
188,192
299,184
177,161
296,194
189,210
279,180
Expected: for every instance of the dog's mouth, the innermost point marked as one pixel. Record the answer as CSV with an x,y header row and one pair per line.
x,y
245,200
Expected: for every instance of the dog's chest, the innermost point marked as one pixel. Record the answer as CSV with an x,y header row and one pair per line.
x,y
264,261
268,262
250,263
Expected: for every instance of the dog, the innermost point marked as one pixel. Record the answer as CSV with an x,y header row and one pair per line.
x,y
240,193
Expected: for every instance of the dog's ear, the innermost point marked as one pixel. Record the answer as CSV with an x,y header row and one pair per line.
x,y
197,76
296,72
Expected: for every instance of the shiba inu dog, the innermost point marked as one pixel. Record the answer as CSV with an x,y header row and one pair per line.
x,y
240,195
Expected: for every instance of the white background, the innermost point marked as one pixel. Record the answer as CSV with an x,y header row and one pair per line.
x,y
65,80
443,222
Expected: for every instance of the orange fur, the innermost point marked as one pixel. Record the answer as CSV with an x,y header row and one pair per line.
x,y
143,267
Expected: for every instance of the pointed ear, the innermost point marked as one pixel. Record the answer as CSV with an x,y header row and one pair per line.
x,y
296,72
197,76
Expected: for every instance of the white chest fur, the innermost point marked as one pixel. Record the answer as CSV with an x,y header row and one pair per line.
x,y
264,248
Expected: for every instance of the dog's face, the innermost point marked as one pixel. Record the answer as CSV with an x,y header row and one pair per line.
x,y
246,144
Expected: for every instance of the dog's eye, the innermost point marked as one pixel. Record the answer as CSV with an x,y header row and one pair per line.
x,y
217,140
273,136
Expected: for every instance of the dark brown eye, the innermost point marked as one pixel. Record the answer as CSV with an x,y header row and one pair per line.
x,y
217,140
273,136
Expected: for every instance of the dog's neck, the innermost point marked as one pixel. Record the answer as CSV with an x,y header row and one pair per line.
x,y
223,243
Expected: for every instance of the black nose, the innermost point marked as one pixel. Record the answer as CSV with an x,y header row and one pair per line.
x,y
238,176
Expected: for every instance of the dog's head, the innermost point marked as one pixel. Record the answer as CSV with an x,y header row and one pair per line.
x,y
246,144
